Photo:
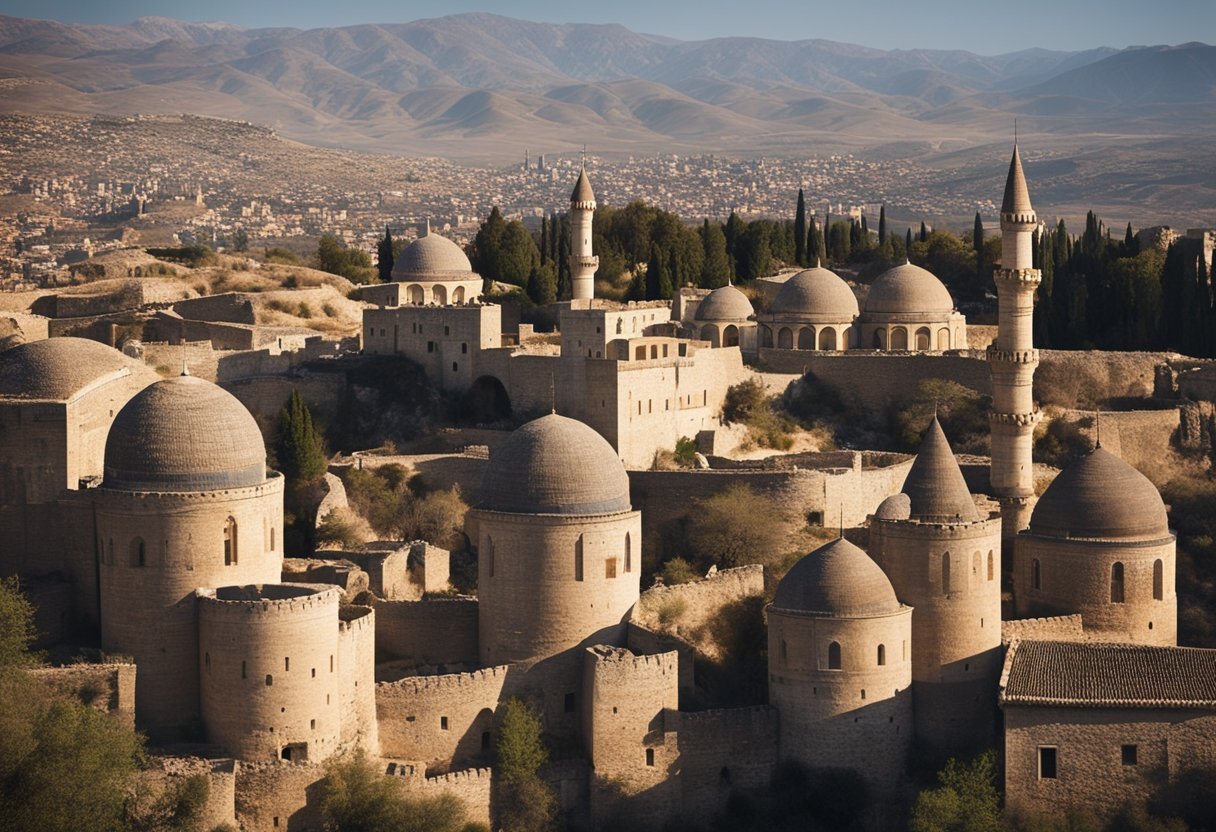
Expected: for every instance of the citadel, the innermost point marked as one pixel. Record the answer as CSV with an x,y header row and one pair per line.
x,y
147,503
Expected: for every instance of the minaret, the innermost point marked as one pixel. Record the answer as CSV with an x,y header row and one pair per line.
x,y
1012,359
582,262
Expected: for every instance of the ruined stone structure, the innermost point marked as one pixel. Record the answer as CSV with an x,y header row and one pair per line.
x,y
1013,357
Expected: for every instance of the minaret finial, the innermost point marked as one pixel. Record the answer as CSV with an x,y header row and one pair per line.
x,y
842,519
185,368
1015,131
1098,420
582,163
552,394
428,227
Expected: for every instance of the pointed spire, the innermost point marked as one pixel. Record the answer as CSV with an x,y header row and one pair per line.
x,y
1017,197
582,189
935,484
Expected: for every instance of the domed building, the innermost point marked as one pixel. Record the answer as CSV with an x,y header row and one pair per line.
x,y
1099,544
559,545
724,318
813,310
839,664
908,308
186,502
943,558
434,270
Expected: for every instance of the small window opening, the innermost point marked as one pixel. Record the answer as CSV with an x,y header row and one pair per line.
x,y
1129,755
1047,762
650,756
568,703
443,723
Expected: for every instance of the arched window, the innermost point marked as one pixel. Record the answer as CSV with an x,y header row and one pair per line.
x,y
785,338
943,339
138,552
230,552
991,564
578,558
834,656
628,553
620,326
899,339
766,336
730,336
806,338
440,295
827,338
880,339
882,655
1036,575
1116,583
1158,580
709,333
922,339
945,573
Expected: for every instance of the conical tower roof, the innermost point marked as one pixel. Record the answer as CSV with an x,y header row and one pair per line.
x,y
582,189
1017,198
935,485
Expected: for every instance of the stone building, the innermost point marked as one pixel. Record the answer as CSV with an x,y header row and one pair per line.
x,y
724,318
431,270
840,666
908,308
813,310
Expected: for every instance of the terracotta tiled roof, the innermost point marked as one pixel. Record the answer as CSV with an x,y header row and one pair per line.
x,y
1060,673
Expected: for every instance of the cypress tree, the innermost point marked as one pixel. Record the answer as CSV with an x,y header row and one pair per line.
x,y
544,240
828,253
882,224
908,243
657,278
800,232
977,239
384,257
924,232
715,268
1130,247
814,243
554,234
301,454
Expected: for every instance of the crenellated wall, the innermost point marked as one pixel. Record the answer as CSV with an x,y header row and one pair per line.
x,y
357,677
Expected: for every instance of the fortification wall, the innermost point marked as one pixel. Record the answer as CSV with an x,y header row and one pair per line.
x,y
357,675
428,633
472,787
698,602
170,772
265,396
1072,378
443,721
232,307
1143,438
168,359
278,796
108,687
724,750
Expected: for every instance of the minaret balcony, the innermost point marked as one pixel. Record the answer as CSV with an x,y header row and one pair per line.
x,y
579,261
1013,356
1028,218
1018,277
1016,419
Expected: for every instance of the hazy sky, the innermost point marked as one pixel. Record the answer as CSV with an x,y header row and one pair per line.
x,y
982,26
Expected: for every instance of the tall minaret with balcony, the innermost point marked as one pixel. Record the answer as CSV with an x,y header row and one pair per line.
x,y
582,262
1013,358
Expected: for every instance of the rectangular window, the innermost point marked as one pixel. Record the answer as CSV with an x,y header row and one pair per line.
x,y
430,346
1129,755
650,756
443,723
568,703
1047,762
610,568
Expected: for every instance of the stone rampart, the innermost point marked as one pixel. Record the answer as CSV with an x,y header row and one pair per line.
x,y
171,772
724,750
230,307
108,687
428,633
279,796
470,786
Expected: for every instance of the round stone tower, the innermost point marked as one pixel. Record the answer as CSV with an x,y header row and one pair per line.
x,y
839,664
1099,544
559,548
1013,358
583,262
270,681
186,501
944,559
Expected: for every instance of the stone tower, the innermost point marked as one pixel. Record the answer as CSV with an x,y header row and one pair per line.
x,y
943,559
582,262
1012,358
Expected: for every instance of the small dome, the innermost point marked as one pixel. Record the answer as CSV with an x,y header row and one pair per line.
x,y
1101,496
432,257
555,465
816,293
726,303
184,434
838,580
909,289
895,507
57,369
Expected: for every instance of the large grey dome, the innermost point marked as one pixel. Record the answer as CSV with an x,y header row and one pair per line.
x,y
184,434
726,303
57,369
838,580
817,293
555,465
1101,496
909,289
432,257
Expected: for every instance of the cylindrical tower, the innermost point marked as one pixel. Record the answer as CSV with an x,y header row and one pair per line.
x,y
186,502
840,668
559,549
943,559
1013,358
1099,544
268,662
583,262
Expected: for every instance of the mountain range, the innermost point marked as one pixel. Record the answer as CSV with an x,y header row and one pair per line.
x,y
484,87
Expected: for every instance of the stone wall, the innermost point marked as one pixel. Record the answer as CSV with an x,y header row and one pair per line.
x,y
108,687
721,751
170,772
232,307
472,787
198,356
1055,628
279,796
357,676
1145,438
429,633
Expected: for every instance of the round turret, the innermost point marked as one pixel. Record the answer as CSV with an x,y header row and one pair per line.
x,y
838,580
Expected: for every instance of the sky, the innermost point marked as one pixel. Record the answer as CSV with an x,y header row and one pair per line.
x,y
981,26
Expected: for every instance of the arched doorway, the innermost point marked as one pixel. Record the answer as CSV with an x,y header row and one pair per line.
x,y
439,294
943,339
899,339
730,336
923,343
416,295
709,333
785,339
806,338
458,295
827,338
488,400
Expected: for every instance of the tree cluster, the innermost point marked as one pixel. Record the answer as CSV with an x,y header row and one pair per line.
x,y
335,257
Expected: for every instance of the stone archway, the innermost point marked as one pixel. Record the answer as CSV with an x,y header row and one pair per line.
x,y
827,338
709,333
458,295
730,336
806,338
785,339
766,336
924,340
899,339
416,294
439,294
943,339
488,400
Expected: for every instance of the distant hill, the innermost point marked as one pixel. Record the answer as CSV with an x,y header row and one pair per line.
x,y
482,86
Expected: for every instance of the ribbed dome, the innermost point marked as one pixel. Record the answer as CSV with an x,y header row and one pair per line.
x,y
817,293
935,485
184,434
726,303
56,369
908,289
432,257
836,581
1101,496
555,465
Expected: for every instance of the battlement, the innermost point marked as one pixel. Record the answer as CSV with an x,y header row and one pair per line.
x,y
460,778
1013,356
1028,278
1018,419
270,599
617,659
963,530
356,617
448,681
1028,218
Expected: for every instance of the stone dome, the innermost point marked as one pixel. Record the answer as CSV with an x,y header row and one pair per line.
x,y
432,257
838,580
817,292
184,434
1101,496
726,303
56,369
555,465
909,290
895,507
